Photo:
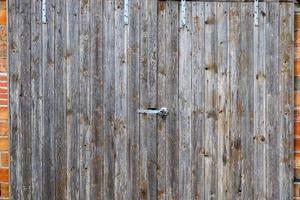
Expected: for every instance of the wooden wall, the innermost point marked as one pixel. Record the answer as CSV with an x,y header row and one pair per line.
x,y
77,81
4,157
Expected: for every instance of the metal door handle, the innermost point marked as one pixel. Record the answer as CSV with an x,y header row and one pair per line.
x,y
163,112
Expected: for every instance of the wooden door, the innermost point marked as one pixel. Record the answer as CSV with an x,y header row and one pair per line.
x,y
78,80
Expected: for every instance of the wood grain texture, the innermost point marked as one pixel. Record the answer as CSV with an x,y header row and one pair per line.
x,y
77,82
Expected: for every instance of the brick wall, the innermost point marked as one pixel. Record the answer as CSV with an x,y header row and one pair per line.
x,y
4,157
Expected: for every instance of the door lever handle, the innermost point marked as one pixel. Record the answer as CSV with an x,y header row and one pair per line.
x,y
163,112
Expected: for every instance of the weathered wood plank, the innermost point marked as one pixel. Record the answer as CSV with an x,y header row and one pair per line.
x,y
246,94
24,139
272,91
234,184
73,137
60,110
259,137
109,100
223,103
148,87
185,106
84,98
120,136
198,100
48,188
172,67
161,101
14,88
211,70
286,99
133,57
36,94
97,99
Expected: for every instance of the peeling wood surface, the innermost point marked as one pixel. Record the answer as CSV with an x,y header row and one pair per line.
x,y
77,82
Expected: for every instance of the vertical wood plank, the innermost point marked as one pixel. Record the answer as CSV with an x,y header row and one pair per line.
x,y
24,140
259,107
97,100
73,137
84,98
223,106
133,97
36,94
48,104
272,91
109,94
210,101
120,136
185,106
161,102
198,100
14,88
246,94
60,109
286,99
234,184
172,97
148,95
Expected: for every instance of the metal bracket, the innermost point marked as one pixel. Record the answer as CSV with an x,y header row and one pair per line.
x,y
126,12
44,12
163,112
183,13
256,12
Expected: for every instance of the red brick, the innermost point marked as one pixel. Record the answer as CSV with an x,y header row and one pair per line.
x,y
3,84
297,67
4,159
3,144
4,190
3,33
3,78
4,175
3,112
3,90
3,50
3,128
3,65
297,114
297,129
2,17
3,96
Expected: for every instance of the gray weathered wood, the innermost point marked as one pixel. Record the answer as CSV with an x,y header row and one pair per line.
x,y
72,90
286,100
121,183
259,133
171,95
198,101
84,98
247,68
133,56
148,67
60,94
185,106
162,101
97,99
223,108
272,111
109,98
235,126
36,94
77,82
210,101
48,65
